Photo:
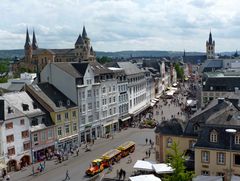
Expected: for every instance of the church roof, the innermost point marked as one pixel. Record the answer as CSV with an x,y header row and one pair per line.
x,y
79,40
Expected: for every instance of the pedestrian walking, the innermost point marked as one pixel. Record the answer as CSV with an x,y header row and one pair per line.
x,y
8,177
67,176
124,174
77,152
146,141
32,169
149,153
146,153
150,141
120,174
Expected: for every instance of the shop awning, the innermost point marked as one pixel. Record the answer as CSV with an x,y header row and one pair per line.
x,y
141,109
125,119
68,137
109,123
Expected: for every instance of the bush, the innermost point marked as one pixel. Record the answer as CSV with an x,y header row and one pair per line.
x,y
3,80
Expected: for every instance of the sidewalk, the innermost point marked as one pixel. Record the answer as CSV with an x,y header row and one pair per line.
x,y
54,164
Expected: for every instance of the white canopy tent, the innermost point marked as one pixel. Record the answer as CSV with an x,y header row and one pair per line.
x,y
207,178
162,168
144,178
143,165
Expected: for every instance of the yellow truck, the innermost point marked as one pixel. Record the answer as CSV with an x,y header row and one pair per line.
x,y
126,148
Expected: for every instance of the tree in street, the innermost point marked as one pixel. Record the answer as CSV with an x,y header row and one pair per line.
x,y
176,161
104,59
179,70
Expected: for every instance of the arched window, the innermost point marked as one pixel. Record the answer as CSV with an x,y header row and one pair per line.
x,y
169,142
237,138
214,136
104,90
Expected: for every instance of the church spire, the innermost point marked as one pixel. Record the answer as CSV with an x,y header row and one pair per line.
x,y
84,33
210,38
27,42
34,42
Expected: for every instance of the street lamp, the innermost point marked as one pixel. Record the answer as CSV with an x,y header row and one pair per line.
x,y
230,131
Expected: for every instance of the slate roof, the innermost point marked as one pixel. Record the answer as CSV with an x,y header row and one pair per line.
x,y
194,59
211,64
129,68
16,87
170,127
224,83
50,97
220,121
40,50
79,40
200,117
68,68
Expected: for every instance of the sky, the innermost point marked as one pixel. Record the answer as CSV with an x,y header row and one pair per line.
x,y
116,25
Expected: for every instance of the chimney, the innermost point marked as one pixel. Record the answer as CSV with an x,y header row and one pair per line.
x,y
2,117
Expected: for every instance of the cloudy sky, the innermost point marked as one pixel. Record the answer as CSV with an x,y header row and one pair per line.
x,y
115,25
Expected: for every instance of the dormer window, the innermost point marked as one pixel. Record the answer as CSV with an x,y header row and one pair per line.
x,y
169,142
237,139
195,127
213,136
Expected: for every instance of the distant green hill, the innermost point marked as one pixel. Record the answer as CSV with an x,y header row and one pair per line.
x,y
121,54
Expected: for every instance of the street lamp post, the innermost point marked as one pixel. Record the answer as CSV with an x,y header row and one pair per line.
x,y
231,132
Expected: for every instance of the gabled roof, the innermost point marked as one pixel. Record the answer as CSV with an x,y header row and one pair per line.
x,y
50,97
79,40
200,117
129,68
68,68
19,99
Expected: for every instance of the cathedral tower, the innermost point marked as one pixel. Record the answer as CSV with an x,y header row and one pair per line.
x,y
210,47
28,48
34,42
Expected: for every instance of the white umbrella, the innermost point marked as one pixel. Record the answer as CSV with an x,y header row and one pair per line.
x,y
162,168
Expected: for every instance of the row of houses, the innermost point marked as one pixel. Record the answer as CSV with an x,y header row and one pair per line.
x,y
209,139
74,103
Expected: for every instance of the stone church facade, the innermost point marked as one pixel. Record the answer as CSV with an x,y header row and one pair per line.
x,y
36,58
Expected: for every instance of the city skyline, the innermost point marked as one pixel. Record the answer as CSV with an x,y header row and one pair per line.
x,y
114,25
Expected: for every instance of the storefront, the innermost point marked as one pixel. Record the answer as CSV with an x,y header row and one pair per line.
x,y
110,127
89,132
67,143
124,122
42,152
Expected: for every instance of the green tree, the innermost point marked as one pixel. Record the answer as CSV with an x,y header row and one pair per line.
x,y
176,161
104,59
179,70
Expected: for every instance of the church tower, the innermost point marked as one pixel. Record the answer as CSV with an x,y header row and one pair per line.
x,y
28,48
210,47
34,42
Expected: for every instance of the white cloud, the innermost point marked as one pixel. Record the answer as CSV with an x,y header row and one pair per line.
x,y
116,25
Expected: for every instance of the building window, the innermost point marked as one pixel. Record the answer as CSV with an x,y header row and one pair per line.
x,y
74,126
59,131
50,133
110,100
22,121
83,108
110,89
89,93
83,120
66,115
110,111
213,136
83,95
104,101
97,104
10,138
26,146
90,118
97,92
43,135
169,142
67,130
11,151
192,144
237,139
89,106
9,125
104,90
236,159
35,137
220,158
74,114
114,88
25,134
205,156
59,117
205,172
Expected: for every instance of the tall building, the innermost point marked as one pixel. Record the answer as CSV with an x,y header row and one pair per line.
x,y
210,47
36,58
